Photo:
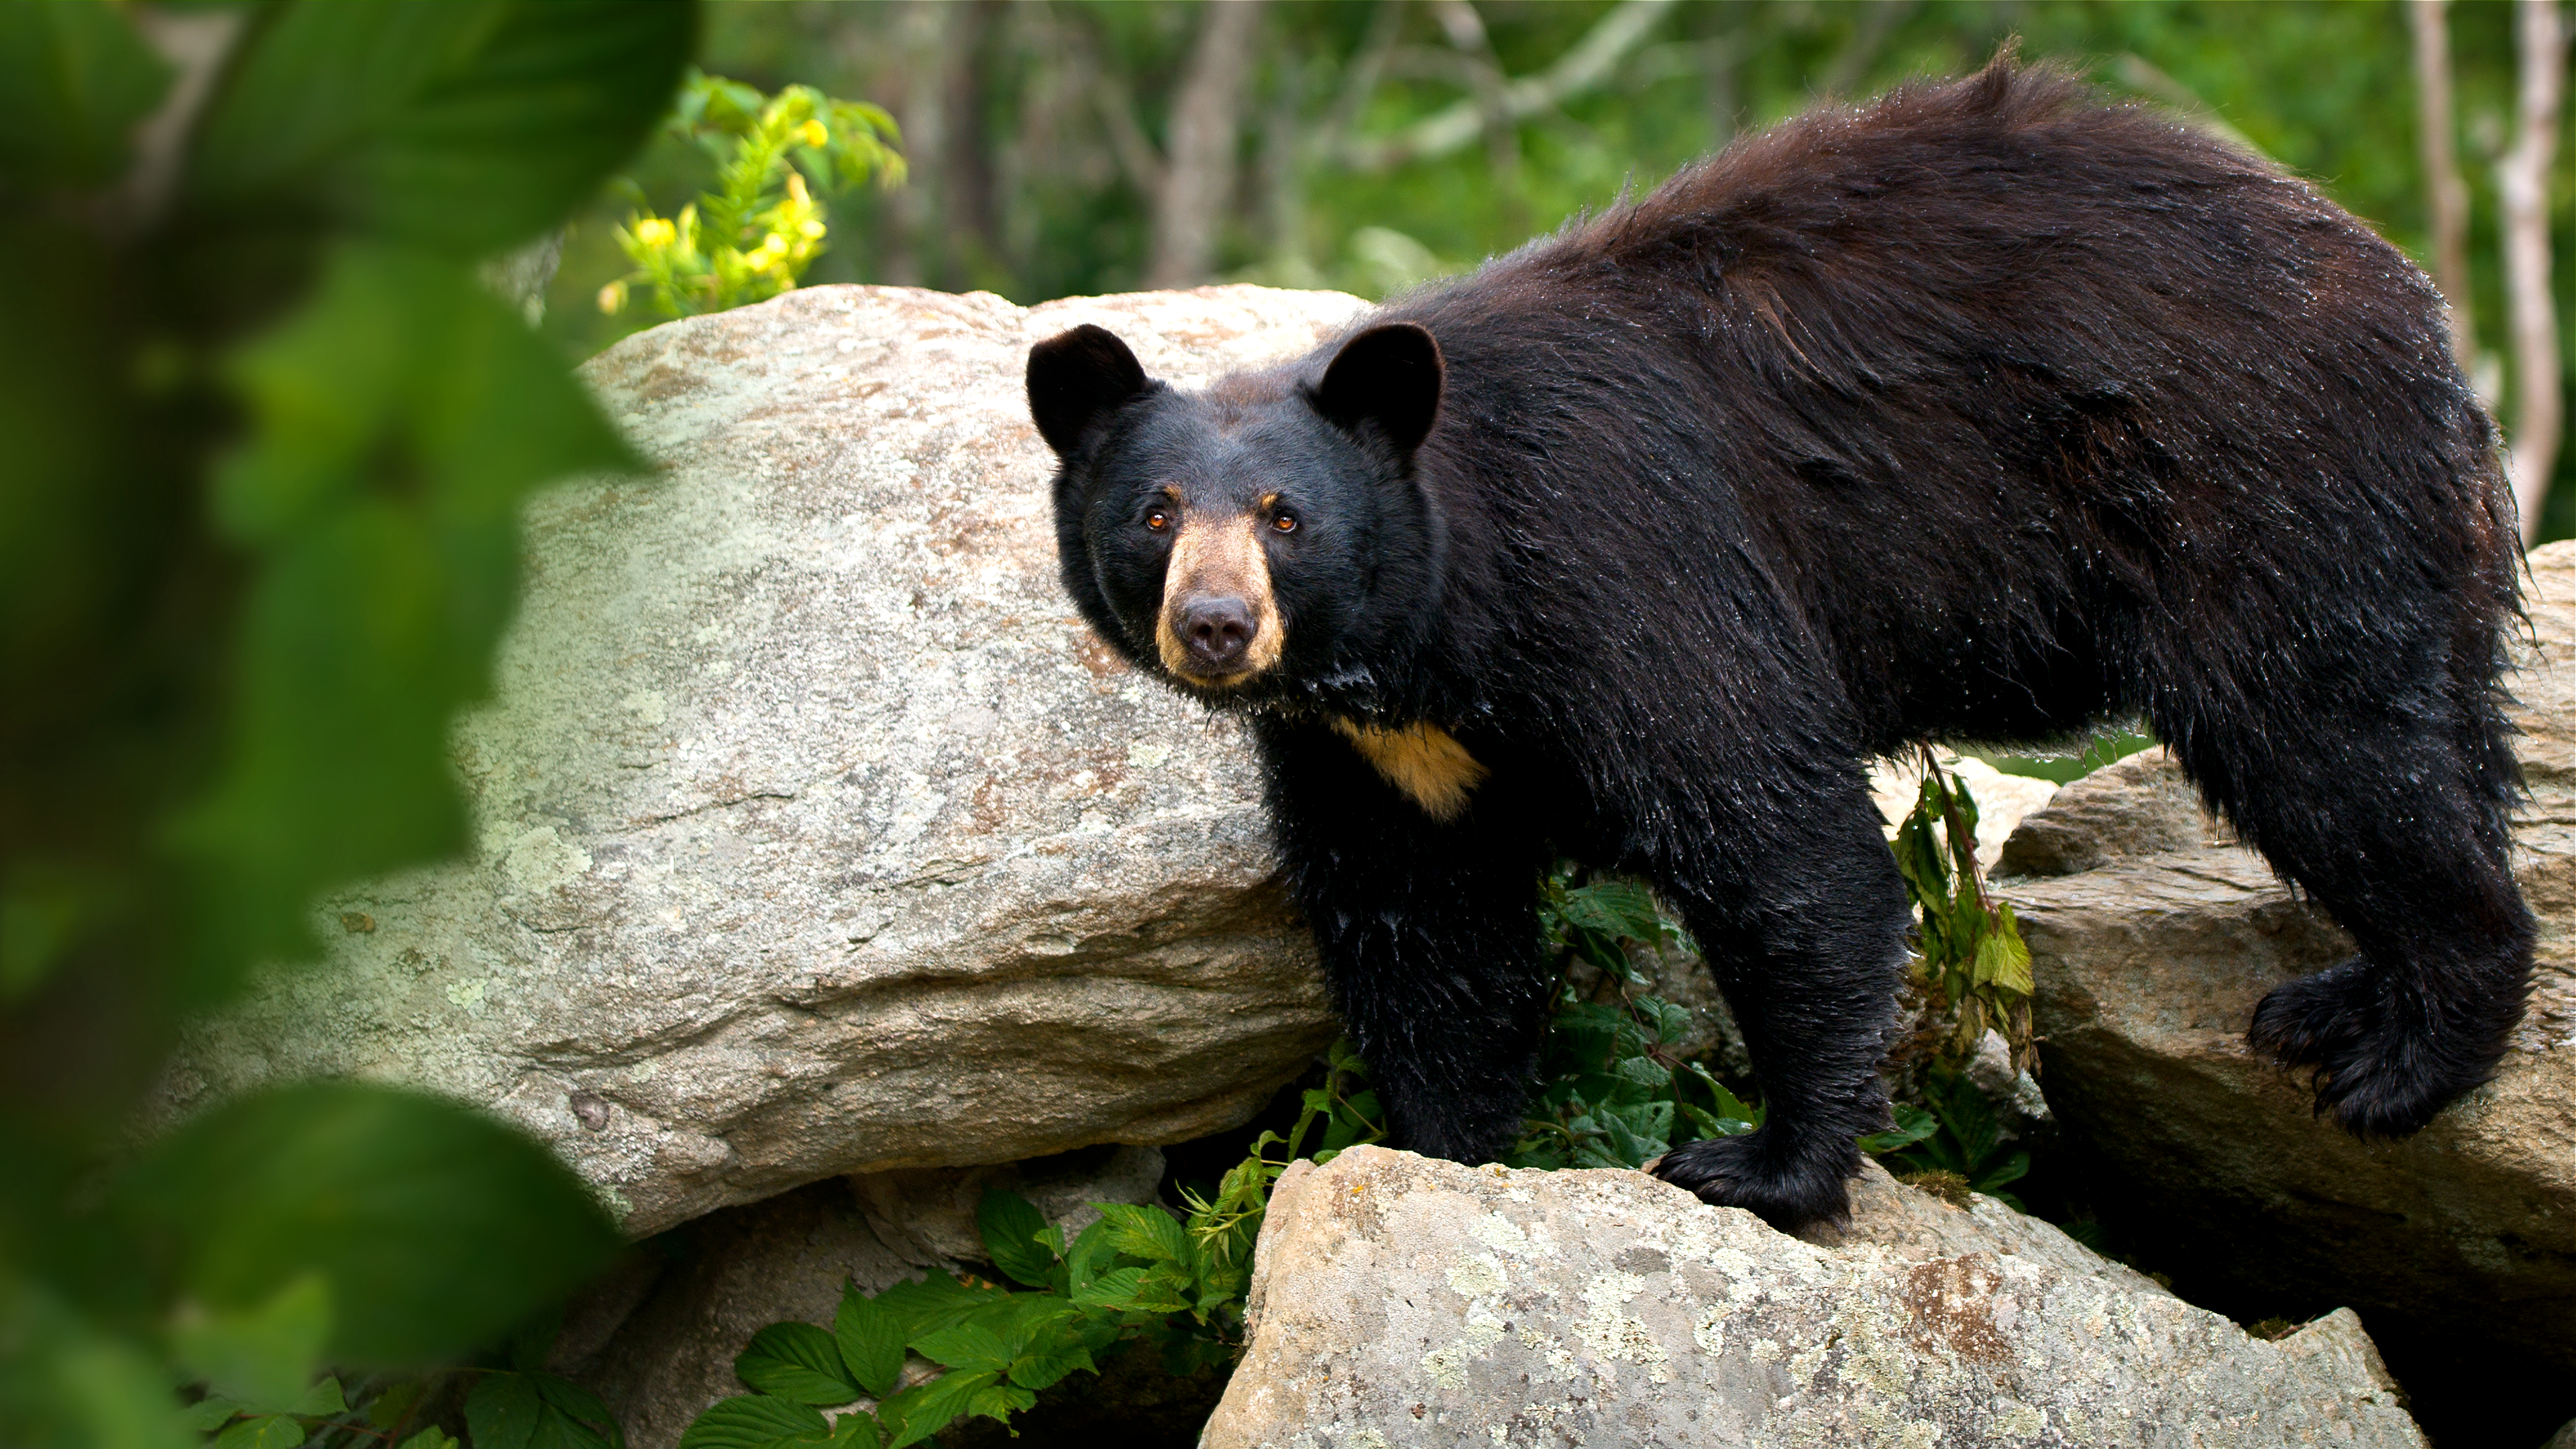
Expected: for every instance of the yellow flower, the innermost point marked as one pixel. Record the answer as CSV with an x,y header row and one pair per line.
x,y
612,298
813,133
654,232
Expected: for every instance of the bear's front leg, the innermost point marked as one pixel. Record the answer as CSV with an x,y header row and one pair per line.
x,y
1803,922
1428,929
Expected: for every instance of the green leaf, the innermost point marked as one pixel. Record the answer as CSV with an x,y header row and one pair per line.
x,y
322,1400
965,1346
397,421
751,1422
212,1412
1115,1289
1090,1248
1010,1226
271,1431
264,1355
2011,966
796,1361
463,124
855,1430
75,78
870,1337
925,1409
999,1402
389,1407
933,1302
2011,1169
579,1410
502,1412
1042,1367
1145,1232
1913,1124
436,1227
432,1437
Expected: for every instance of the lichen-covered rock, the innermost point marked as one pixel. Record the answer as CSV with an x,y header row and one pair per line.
x,y
817,833
1402,1301
2153,934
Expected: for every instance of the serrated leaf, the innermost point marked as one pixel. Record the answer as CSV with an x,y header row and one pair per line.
x,y
211,1413
393,1402
933,1302
999,1402
752,1421
322,1400
1010,1226
1913,1124
796,1361
856,1430
969,1346
1040,1369
1145,1232
1114,1289
1090,1249
870,1337
502,1412
575,1414
2011,1169
925,1409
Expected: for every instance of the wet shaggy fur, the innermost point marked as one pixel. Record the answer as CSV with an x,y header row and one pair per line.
x,y
1981,413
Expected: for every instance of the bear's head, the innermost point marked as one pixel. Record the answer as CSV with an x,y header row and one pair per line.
x,y
1262,540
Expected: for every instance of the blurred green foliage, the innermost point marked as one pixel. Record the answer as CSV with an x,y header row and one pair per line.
x,y
267,439
1013,115
754,234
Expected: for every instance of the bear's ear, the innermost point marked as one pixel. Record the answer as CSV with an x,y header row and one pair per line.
x,y
1077,378
1389,375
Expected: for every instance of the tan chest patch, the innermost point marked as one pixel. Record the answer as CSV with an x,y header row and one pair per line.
x,y
1422,760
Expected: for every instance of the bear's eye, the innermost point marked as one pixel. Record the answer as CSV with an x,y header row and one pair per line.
x,y
1158,520
1284,521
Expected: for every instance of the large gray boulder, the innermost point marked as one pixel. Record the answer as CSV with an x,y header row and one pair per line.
x,y
1400,1300
817,834
2153,934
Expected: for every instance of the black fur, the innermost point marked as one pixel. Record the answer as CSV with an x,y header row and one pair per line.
x,y
1982,413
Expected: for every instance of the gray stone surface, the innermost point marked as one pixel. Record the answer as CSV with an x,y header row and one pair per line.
x,y
2153,935
1402,1301
816,833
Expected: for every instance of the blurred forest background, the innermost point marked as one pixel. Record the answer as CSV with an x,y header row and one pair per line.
x,y
1062,147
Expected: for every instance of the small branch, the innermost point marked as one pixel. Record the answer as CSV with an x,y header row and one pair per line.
x,y
2523,177
2449,195
1585,66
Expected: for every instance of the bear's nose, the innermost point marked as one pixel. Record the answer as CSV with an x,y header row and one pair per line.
x,y
1217,631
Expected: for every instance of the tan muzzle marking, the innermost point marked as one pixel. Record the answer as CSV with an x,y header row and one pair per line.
x,y
1423,760
1221,557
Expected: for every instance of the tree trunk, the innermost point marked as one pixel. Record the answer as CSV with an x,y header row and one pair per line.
x,y
970,239
2523,177
2448,194
1199,166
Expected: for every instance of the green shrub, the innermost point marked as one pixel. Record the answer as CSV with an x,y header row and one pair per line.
x,y
267,441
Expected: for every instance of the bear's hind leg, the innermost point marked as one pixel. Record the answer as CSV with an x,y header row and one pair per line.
x,y
2392,813
1804,931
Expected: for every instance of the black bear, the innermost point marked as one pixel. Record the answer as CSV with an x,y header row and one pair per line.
x,y
1981,413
